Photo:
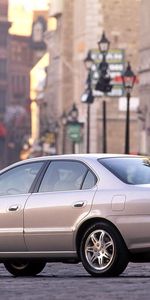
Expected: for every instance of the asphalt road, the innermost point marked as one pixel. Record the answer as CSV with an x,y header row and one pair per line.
x,y
71,282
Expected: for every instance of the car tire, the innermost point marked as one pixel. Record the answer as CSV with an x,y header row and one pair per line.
x,y
103,252
24,268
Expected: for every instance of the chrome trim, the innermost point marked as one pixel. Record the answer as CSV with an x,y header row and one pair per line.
x,y
13,207
11,230
79,204
40,254
48,230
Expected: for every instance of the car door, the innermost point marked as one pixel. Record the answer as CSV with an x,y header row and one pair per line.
x,y
15,184
63,199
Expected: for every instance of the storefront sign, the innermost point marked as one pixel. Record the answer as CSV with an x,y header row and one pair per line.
x,y
74,131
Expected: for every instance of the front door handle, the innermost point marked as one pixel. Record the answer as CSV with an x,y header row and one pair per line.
x,y
79,204
13,207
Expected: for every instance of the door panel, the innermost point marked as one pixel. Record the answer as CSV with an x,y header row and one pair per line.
x,y
50,218
11,222
15,184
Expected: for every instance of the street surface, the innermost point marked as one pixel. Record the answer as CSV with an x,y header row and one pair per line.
x,y
63,282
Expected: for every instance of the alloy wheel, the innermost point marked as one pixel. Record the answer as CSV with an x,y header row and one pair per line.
x,y
99,250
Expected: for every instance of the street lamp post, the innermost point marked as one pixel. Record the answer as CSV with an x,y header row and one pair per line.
x,y
104,112
70,118
73,118
103,83
88,128
128,79
64,122
88,61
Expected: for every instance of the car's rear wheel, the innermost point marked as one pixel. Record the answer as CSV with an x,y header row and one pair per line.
x,y
102,251
19,267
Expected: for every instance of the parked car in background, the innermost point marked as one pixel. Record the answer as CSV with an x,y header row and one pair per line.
x,y
92,208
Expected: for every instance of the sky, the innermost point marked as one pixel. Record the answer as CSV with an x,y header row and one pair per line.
x,y
30,4
20,14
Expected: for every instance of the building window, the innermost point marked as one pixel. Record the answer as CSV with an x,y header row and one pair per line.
x,y
3,38
3,68
3,9
17,53
19,85
2,100
23,86
24,54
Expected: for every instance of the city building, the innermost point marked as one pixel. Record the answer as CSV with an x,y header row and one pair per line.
x,y
24,53
80,24
144,78
39,26
37,89
4,71
17,114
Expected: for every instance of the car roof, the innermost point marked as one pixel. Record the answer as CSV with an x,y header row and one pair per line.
x,y
79,156
74,156
91,156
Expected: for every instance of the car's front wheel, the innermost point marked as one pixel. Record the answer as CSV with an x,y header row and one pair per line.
x,y
24,268
102,251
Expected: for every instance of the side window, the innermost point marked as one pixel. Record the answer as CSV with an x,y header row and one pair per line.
x,y
19,179
63,176
90,181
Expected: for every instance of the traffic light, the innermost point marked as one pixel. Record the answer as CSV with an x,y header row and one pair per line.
x,y
103,84
87,96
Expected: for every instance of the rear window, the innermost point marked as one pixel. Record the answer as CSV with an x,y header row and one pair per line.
x,y
131,170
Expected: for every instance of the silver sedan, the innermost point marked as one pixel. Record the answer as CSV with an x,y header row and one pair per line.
x,y
92,208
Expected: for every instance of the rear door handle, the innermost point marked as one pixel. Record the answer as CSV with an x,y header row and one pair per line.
x,y
13,207
79,204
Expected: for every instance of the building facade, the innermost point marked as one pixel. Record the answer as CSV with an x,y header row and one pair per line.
x,y
80,24
144,78
121,22
23,52
4,46
4,67
60,81
17,114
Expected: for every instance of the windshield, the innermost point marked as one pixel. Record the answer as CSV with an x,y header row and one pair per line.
x,y
131,170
